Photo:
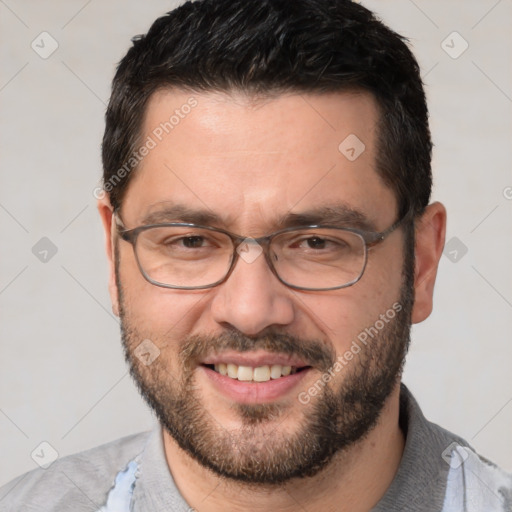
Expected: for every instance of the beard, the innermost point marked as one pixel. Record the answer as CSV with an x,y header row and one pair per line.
x,y
262,450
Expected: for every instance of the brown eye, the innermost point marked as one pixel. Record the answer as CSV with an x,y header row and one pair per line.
x,y
192,242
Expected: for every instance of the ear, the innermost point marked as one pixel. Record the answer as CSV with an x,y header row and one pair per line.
x,y
106,213
430,233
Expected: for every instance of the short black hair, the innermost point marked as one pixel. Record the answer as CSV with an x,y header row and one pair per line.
x,y
268,47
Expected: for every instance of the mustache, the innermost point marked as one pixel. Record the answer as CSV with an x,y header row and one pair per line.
x,y
195,348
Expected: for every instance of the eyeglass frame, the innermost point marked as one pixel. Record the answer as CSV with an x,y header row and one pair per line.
x,y
370,239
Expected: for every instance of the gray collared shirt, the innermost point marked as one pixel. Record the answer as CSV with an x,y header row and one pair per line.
x,y
439,472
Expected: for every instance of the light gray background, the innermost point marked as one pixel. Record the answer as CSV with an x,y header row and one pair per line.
x,y
62,375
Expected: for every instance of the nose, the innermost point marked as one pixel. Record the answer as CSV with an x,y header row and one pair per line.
x,y
252,298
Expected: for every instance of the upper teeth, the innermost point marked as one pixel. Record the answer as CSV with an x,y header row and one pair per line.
x,y
248,373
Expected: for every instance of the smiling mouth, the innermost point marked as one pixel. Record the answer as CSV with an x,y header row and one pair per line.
x,y
263,373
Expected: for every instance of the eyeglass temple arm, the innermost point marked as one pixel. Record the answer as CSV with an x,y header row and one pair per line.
x,y
375,238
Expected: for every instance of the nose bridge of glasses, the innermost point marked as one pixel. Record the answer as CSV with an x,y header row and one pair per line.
x,y
249,249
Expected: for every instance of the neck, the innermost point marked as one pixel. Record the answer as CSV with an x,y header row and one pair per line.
x,y
355,480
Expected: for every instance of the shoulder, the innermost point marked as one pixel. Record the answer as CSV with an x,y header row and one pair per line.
x,y
475,483
461,478
441,471
77,482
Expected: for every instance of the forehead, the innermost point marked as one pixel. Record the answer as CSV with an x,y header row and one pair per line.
x,y
251,160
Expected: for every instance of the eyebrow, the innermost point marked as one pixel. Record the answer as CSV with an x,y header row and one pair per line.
x,y
182,213
338,214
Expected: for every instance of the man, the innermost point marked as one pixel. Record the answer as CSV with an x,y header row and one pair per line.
x,y
270,238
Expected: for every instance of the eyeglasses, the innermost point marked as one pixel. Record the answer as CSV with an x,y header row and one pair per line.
x,y
187,256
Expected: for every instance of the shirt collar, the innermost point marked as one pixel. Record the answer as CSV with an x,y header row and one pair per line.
x,y
156,490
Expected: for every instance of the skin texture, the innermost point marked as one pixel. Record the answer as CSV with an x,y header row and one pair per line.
x,y
251,162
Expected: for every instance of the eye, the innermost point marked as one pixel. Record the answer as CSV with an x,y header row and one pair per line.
x,y
191,242
315,242
318,243
183,242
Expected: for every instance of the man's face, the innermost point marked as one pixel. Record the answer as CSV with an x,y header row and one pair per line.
x,y
252,164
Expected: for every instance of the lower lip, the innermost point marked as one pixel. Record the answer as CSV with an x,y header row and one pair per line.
x,y
254,392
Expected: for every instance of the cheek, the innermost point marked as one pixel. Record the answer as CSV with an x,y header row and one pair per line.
x,y
156,312
156,321
343,314
168,315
